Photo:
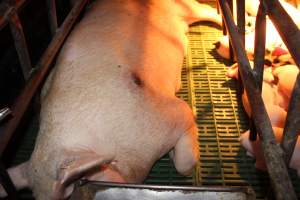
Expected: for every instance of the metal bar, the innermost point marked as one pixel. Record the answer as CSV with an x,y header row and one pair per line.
x,y
231,55
5,5
84,187
21,104
7,183
273,154
290,34
259,55
52,18
287,29
240,12
260,44
292,124
20,42
104,184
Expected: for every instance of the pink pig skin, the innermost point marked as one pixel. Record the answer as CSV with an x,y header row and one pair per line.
x,y
254,150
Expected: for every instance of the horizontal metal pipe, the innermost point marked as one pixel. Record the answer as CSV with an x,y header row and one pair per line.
x,y
273,154
21,104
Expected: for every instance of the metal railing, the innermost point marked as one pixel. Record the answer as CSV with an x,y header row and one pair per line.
x,y
34,76
277,158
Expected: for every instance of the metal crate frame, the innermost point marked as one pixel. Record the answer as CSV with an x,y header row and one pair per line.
x,y
35,76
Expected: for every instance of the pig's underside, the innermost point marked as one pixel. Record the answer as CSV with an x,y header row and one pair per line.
x,y
110,102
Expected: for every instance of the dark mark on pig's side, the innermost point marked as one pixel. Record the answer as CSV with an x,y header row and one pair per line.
x,y
136,79
119,66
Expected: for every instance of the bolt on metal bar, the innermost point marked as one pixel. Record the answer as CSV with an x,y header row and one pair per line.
x,y
20,42
22,102
273,154
52,17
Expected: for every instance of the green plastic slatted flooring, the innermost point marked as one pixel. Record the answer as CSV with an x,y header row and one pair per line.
x,y
220,120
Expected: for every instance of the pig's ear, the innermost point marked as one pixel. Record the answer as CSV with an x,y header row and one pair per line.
x,y
185,154
77,167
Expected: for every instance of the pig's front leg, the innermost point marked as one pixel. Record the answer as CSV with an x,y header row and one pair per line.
x,y
186,151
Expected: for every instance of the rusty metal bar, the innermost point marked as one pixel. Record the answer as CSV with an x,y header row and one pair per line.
x,y
292,124
21,104
259,55
290,34
240,12
260,44
5,5
20,42
273,154
52,17
231,55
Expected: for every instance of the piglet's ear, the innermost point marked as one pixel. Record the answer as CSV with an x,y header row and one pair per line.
x,y
79,165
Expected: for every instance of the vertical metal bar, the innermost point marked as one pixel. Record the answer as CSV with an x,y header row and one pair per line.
x,y
240,5
260,44
52,17
22,102
259,55
273,154
231,55
292,124
7,183
20,42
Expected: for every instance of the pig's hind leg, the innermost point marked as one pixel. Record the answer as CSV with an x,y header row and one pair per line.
x,y
185,154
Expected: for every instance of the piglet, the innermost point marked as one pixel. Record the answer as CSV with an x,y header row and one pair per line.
x,y
273,40
286,76
253,149
109,109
